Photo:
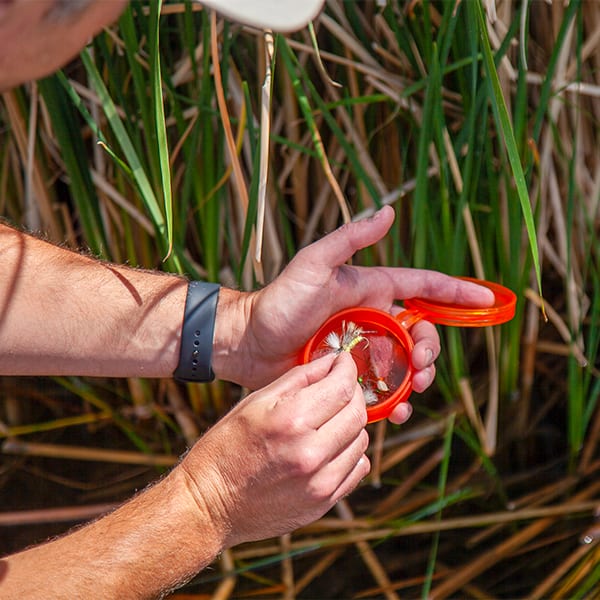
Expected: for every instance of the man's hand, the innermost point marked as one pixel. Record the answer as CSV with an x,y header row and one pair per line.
x,y
259,335
284,455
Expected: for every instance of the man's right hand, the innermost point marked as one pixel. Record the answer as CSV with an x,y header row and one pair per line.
x,y
284,455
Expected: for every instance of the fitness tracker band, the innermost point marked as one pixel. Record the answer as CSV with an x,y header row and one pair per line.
x,y
197,333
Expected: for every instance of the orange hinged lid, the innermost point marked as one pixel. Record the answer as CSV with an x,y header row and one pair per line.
x,y
457,315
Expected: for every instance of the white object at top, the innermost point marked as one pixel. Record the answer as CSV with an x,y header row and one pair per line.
x,y
278,15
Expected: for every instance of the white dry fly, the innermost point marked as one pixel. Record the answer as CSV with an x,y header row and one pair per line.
x,y
369,395
382,386
351,335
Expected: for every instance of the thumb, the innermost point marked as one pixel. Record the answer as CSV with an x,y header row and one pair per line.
x,y
336,248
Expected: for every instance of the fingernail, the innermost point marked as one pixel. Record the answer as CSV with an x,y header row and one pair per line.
x,y
429,357
406,410
377,213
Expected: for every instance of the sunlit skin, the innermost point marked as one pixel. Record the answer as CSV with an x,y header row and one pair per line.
x,y
39,36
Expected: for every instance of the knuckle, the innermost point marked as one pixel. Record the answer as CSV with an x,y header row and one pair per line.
x,y
307,461
293,424
356,421
359,417
323,489
347,388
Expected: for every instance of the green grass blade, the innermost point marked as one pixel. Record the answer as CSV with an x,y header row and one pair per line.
x,y
68,134
137,170
159,117
300,77
505,127
443,478
421,209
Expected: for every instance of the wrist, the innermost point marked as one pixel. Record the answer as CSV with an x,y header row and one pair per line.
x,y
164,525
231,359
147,547
196,513
204,490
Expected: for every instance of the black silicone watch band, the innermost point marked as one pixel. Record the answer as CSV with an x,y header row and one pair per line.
x,y
197,333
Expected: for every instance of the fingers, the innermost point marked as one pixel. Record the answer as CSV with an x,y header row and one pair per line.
x,y
285,454
423,379
427,344
424,354
301,377
312,372
356,471
328,440
341,474
432,285
336,248
401,414
346,436
348,420
322,399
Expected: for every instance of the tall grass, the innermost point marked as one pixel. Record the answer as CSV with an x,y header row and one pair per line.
x,y
478,122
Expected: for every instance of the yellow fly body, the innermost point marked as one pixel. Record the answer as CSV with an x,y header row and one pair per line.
x,y
351,336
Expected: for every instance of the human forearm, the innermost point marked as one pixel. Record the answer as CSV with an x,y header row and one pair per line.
x,y
64,313
280,459
149,546
55,30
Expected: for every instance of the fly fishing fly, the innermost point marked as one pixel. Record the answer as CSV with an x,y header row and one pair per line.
x,y
351,336
373,354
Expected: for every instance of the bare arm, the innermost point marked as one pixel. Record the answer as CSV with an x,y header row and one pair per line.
x,y
64,313
151,545
279,460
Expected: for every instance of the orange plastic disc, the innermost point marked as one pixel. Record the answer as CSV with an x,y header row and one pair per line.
x,y
381,345
382,337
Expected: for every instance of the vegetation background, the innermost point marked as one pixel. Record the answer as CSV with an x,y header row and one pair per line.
x,y
474,119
